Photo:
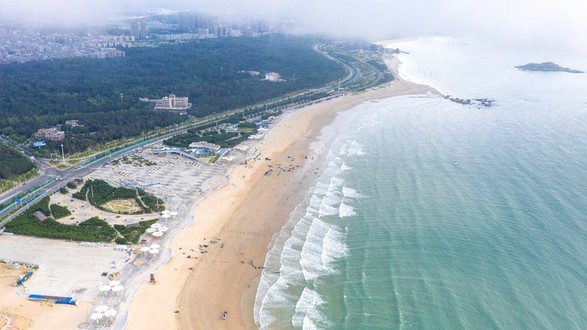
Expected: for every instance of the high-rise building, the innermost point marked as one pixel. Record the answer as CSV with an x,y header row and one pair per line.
x,y
144,30
139,30
187,21
222,31
134,30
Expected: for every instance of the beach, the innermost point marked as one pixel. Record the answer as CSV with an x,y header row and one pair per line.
x,y
210,280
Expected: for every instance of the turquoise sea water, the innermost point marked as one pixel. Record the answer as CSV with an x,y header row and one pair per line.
x,y
433,215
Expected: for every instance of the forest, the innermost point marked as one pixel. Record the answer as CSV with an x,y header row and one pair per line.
x,y
104,94
12,163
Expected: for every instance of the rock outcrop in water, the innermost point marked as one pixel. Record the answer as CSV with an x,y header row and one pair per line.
x,y
546,67
479,102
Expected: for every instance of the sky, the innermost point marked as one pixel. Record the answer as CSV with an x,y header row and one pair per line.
x,y
518,23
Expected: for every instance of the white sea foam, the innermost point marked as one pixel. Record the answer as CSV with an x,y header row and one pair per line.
x,y
345,167
324,244
344,150
327,210
355,149
310,262
277,298
306,310
329,205
333,247
351,193
345,210
321,188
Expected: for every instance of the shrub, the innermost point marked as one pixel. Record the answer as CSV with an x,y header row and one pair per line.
x,y
59,211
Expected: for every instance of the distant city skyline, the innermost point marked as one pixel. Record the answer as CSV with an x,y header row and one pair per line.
x,y
521,23
24,42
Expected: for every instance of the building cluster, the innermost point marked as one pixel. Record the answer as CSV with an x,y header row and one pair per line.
x,y
171,102
273,77
73,123
210,25
139,30
55,133
22,45
51,134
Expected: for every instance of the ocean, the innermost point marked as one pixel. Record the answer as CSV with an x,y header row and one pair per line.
x,y
429,214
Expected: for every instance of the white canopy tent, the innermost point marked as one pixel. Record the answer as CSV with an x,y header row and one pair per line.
x,y
105,288
96,317
102,308
117,289
110,313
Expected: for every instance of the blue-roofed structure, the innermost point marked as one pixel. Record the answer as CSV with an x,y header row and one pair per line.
x,y
39,144
56,299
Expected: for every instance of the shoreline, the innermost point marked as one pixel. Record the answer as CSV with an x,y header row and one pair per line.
x,y
237,223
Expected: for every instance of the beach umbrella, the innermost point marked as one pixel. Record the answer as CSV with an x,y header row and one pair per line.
x,y
105,288
163,229
157,234
150,230
156,225
117,289
110,313
114,283
155,246
101,308
96,316
166,216
165,212
154,251
145,249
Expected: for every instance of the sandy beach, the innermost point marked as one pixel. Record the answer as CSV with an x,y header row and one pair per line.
x,y
216,260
